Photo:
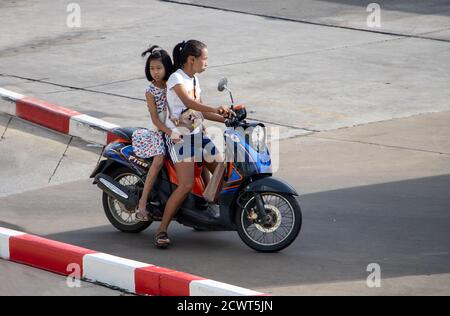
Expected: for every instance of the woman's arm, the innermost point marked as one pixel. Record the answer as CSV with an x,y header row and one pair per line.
x,y
181,92
212,116
154,115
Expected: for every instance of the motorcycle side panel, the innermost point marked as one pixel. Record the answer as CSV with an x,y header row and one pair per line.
x,y
199,185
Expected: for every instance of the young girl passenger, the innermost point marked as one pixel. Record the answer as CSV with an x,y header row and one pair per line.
x,y
150,142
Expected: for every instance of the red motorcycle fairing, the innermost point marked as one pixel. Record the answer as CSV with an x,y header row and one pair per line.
x,y
199,185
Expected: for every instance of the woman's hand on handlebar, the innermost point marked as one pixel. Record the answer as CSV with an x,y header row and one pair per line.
x,y
225,111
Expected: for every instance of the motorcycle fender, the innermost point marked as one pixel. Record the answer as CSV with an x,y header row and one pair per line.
x,y
270,184
99,168
104,166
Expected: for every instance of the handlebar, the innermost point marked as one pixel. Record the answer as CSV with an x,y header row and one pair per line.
x,y
240,115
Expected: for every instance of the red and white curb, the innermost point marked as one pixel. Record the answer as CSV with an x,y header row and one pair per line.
x,y
56,117
132,276
129,275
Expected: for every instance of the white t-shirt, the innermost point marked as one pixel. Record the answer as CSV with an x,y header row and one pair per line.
x,y
173,101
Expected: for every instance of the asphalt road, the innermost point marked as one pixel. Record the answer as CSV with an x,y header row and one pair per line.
x,y
365,199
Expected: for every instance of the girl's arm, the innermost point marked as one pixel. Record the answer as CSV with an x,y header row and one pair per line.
x,y
181,92
154,115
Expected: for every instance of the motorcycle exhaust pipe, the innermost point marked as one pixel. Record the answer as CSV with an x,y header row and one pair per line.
x,y
114,189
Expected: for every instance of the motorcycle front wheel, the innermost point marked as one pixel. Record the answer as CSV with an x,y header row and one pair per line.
x,y
278,230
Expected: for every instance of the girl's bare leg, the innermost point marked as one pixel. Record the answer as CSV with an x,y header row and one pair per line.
x,y
158,162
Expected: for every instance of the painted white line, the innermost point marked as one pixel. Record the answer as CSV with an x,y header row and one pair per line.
x,y
8,101
90,128
10,95
8,107
94,122
214,288
5,234
111,270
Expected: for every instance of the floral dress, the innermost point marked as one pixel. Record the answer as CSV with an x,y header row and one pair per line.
x,y
150,142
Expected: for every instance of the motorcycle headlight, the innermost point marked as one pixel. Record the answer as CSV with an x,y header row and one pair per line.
x,y
258,138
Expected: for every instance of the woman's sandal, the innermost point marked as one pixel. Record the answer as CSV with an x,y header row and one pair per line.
x,y
142,216
161,240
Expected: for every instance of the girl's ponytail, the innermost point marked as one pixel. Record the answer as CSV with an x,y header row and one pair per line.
x,y
176,54
183,50
150,50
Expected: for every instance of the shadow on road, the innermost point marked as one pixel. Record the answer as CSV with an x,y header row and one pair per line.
x,y
403,226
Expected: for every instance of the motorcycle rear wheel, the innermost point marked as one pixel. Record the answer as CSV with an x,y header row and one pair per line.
x,y
120,216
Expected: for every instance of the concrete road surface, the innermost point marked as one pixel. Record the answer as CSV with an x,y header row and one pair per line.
x,y
364,115
369,194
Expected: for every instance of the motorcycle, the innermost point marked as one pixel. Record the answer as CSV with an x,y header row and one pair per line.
x,y
263,209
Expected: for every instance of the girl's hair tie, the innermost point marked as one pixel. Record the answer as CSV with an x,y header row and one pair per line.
x,y
183,44
156,52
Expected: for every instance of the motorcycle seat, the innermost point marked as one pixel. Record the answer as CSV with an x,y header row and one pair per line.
x,y
125,132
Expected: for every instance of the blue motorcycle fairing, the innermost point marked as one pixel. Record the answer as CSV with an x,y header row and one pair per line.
x,y
123,154
270,184
261,160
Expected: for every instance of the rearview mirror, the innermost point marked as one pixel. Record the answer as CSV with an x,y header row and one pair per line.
x,y
222,84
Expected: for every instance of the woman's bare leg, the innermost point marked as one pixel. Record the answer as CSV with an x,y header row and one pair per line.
x,y
211,166
185,174
206,176
214,162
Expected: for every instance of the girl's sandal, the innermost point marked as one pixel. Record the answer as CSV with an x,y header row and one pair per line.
x,y
161,240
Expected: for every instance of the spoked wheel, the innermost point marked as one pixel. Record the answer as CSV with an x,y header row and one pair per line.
x,y
275,232
123,217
